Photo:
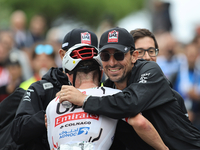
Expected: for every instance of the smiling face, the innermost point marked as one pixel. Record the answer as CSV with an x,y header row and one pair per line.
x,y
117,71
145,43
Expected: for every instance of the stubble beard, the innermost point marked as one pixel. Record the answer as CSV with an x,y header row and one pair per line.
x,y
120,79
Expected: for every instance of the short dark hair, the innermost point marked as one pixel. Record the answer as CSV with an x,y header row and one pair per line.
x,y
86,66
142,32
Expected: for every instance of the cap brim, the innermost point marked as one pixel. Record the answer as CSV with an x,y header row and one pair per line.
x,y
119,47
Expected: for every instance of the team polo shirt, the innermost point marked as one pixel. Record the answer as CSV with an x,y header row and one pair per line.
x,y
74,129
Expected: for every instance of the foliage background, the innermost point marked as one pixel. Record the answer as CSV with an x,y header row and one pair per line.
x,y
90,12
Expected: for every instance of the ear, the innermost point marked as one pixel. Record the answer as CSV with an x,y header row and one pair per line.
x,y
70,77
134,56
62,53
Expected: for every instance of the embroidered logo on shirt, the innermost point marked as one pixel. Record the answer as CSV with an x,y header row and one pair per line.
x,y
27,95
144,77
47,85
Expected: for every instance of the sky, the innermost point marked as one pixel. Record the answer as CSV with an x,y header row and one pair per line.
x,y
185,17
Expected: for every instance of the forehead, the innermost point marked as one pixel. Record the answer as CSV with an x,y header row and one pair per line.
x,y
42,56
144,42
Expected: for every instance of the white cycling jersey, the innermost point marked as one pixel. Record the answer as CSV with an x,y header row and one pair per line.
x,y
73,129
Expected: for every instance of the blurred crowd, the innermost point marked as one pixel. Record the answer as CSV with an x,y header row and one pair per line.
x,y
180,63
28,51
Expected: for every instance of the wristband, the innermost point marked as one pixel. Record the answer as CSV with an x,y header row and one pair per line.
x,y
85,100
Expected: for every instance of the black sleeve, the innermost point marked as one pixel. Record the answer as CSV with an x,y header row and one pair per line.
x,y
180,101
3,89
9,105
29,121
148,89
8,108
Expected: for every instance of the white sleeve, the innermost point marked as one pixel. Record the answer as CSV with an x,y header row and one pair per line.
x,y
49,134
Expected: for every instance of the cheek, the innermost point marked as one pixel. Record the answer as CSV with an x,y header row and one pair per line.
x,y
104,64
153,59
127,65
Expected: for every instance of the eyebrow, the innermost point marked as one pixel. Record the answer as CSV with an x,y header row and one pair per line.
x,y
144,48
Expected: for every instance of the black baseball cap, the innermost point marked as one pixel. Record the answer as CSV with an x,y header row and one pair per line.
x,y
78,36
117,38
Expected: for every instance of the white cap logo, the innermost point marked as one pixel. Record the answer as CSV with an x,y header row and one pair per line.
x,y
65,44
86,38
113,36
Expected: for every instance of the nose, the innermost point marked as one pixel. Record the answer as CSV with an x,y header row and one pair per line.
x,y
112,61
146,56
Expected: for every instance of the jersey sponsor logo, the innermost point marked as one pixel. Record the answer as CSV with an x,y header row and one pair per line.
x,y
74,116
83,130
27,95
74,132
47,85
113,36
144,77
76,124
86,38
74,107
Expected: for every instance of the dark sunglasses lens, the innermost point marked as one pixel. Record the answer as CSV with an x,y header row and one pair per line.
x,y
119,56
104,56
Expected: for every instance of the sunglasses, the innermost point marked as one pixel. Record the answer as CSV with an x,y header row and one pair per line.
x,y
47,49
105,56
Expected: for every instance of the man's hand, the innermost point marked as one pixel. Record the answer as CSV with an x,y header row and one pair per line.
x,y
71,94
58,94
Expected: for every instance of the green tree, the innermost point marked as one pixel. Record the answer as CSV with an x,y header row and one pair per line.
x,y
91,12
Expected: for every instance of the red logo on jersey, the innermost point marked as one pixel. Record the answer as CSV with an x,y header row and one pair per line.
x,y
74,116
113,36
86,38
